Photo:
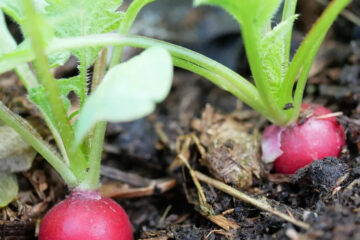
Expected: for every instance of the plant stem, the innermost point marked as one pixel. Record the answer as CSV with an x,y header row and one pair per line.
x,y
219,81
251,42
32,27
317,33
226,74
92,177
249,91
83,76
261,204
28,79
300,86
288,11
34,139
85,147
125,26
26,76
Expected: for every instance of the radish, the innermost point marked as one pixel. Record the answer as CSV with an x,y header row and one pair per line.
x,y
85,215
280,80
312,138
118,92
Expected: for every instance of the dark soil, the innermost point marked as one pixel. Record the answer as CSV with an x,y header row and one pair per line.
x,y
141,156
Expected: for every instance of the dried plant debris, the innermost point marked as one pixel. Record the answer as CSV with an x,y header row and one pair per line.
x,y
233,154
37,191
192,232
119,190
16,155
8,188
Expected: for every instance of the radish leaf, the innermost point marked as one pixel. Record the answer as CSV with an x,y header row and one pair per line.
x,y
83,17
128,91
55,59
249,13
254,17
272,48
65,86
15,8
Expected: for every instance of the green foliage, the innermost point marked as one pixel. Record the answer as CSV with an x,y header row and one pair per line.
x,y
268,50
52,20
65,86
8,44
273,58
254,17
8,188
265,46
249,13
80,18
55,59
15,8
83,17
70,18
129,90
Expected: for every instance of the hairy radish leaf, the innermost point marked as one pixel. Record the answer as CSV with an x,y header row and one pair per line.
x,y
83,17
15,8
128,91
8,43
55,59
249,13
254,17
65,86
38,97
272,54
308,48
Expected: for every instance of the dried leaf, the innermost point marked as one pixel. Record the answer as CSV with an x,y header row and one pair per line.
x,y
223,222
8,188
233,154
15,154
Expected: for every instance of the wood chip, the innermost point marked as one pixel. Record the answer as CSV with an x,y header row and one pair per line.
x,y
120,190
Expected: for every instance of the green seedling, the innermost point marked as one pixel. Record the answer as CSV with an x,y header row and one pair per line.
x,y
120,92
280,81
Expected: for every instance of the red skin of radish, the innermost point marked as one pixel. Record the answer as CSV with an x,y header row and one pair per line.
x,y
85,215
305,142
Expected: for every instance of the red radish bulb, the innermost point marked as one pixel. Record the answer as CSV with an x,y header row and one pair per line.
x,y
296,146
85,215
